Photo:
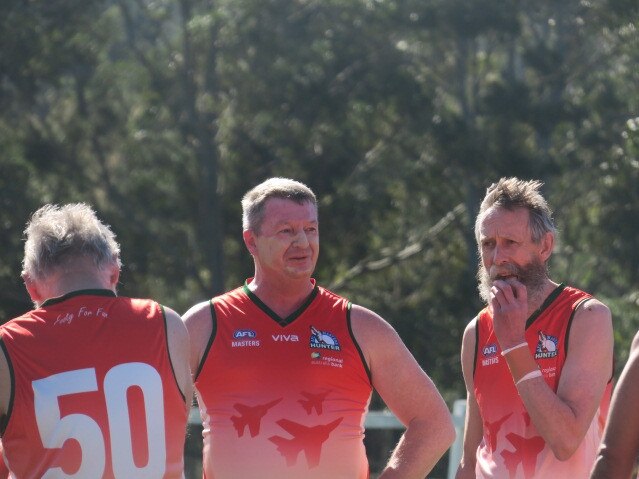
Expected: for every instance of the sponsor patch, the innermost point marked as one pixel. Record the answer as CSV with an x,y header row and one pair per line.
x,y
490,355
546,346
245,338
244,333
490,349
285,338
323,340
318,359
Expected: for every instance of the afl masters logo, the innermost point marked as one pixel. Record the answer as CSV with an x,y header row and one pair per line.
x,y
490,355
546,346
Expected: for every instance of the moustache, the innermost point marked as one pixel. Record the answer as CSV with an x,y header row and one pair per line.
x,y
504,271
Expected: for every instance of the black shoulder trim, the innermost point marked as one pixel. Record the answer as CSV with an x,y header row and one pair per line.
x,y
476,319
359,350
211,339
4,420
572,316
168,352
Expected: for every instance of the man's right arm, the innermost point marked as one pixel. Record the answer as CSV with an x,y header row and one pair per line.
x,y
5,383
473,429
179,351
199,324
620,444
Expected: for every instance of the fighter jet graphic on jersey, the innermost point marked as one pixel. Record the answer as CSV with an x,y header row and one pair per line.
x,y
313,401
526,451
493,428
250,416
526,418
305,438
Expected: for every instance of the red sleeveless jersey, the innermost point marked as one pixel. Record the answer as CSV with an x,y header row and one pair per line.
x,y
283,398
94,393
511,446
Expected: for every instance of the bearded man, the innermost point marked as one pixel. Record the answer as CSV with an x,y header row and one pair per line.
x,y
537,360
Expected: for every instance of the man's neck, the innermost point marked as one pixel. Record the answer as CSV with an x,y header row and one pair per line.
x,y
283,297
536,298
62,285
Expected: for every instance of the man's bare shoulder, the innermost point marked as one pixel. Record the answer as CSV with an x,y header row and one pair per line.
x,y
592,307
471,327
368,324
593,317
198,313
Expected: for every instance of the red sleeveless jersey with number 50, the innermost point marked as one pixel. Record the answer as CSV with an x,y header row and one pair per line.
x,y
283,398
94,393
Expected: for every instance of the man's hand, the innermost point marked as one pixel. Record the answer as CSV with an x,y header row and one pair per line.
x,y
509,304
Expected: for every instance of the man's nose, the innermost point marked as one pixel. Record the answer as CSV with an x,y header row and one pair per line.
x,y
499,256
300,239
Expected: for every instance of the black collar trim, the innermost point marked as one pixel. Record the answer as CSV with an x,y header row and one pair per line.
x,y
281,321
551,297
81,292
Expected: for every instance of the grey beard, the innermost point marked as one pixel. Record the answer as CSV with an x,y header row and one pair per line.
x,y
532,275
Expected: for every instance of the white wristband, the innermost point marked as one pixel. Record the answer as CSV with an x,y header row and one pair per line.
x,y
532,374
517,346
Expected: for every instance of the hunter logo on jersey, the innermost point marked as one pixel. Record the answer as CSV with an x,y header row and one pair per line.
x,y
546,346
323,340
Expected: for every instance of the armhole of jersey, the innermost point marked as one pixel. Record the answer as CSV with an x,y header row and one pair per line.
x,y
211,339
359,350
168,353
572,316
5,419
476,344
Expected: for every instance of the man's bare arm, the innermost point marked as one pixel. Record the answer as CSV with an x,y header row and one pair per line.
x,y
410,395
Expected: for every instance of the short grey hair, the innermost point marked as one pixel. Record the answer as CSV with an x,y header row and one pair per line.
x,y
511,193
255,199
56,234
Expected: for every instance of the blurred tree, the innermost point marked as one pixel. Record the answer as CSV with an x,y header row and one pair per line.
x,y
398,114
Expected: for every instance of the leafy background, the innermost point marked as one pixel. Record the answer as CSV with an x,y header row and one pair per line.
x,y
398,114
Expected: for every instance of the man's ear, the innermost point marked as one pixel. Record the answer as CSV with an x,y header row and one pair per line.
x,y
33,289
249,241
114,276
547,245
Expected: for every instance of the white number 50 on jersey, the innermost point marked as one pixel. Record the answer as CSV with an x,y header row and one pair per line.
x,y
55,430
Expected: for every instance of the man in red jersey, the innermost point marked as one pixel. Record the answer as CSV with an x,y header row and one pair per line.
x,y
537,361
91,384
284,368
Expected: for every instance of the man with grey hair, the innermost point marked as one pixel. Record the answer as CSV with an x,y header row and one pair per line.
x,y
284,369
91,384
537,361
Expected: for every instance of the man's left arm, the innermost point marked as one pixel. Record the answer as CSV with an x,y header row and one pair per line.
x,y
409,393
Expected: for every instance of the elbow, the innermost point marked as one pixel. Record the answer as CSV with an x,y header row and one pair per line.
x,y
562,454
564,450
450,433
447,433
440,431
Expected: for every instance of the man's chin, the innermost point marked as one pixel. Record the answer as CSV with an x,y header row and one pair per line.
x,y
300,272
